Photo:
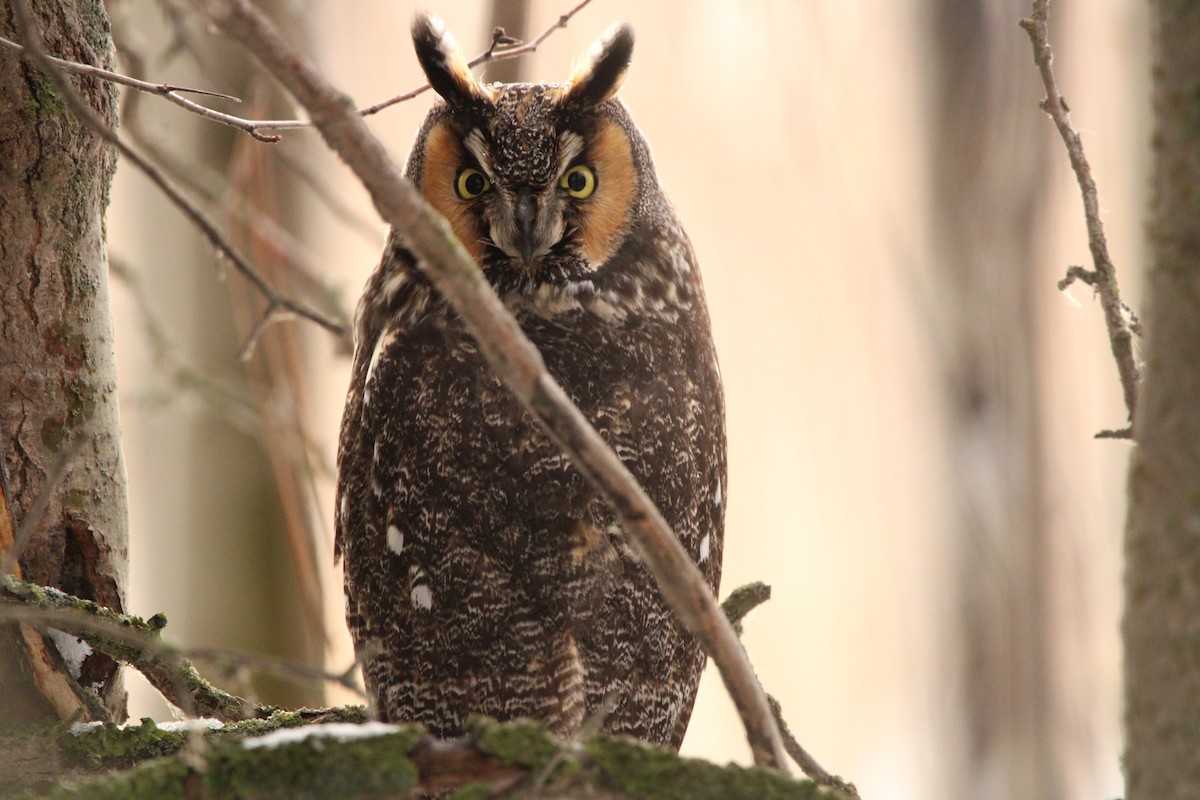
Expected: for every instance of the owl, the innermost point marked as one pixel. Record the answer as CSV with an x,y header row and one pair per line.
x,y
483,573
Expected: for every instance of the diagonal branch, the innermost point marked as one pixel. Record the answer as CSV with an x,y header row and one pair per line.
x,y
513,358
1118,319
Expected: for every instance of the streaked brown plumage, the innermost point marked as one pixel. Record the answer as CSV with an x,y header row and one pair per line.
x,y
483,574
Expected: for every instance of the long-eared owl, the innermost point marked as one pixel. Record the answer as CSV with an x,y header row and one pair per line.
x,y
484,575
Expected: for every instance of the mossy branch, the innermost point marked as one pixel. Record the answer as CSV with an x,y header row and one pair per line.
x,y
495,760
128,639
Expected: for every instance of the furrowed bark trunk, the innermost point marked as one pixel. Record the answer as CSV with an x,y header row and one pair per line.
x,y
63,477
1162,548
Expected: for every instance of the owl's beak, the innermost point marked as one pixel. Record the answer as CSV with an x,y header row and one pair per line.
x,y
526,223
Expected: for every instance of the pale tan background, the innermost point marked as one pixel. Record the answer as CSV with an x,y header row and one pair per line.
x,y
805,148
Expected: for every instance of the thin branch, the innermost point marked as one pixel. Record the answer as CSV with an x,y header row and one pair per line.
x,y
806,762
167,90
514,359
256,127
138,643
1121,323
740,602
270,314
124,638
492,53
87,116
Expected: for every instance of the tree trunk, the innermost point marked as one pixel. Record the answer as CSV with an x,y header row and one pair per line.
x,y
63,477
1162,574
999,644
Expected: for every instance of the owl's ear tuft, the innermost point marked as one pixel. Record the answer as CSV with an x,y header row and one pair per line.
x,y
443,63
598,76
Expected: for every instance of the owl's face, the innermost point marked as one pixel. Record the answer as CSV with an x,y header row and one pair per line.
x,y
539,181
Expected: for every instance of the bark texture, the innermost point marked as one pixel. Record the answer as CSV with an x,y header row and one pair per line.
x,y
1162,579
63,478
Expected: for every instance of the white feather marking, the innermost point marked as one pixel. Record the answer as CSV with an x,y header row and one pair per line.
x,y
385,339
569,146
395,539
705,546
717,496
392,284
478,148
422,597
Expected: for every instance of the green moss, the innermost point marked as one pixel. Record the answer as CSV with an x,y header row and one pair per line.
x,y
108,742
159,780
30,110
475,791
315,767
44,100
522,742
649,773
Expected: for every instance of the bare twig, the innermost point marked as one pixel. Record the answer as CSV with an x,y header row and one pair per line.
x,y
87,116
256,127
271,314
492,53
740,602
167,90
806,762
1120,322
514,359
212,186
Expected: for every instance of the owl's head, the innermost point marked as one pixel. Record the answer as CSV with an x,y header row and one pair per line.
x,y
539,181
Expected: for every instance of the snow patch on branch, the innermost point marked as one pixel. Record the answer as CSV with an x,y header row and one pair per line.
x,y
74,651
338,731
201,724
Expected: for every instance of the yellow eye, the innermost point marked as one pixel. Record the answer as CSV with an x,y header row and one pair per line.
x,y
471,183
579,182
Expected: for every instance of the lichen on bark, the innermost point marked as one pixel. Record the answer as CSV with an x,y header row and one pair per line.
x,y
58,400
